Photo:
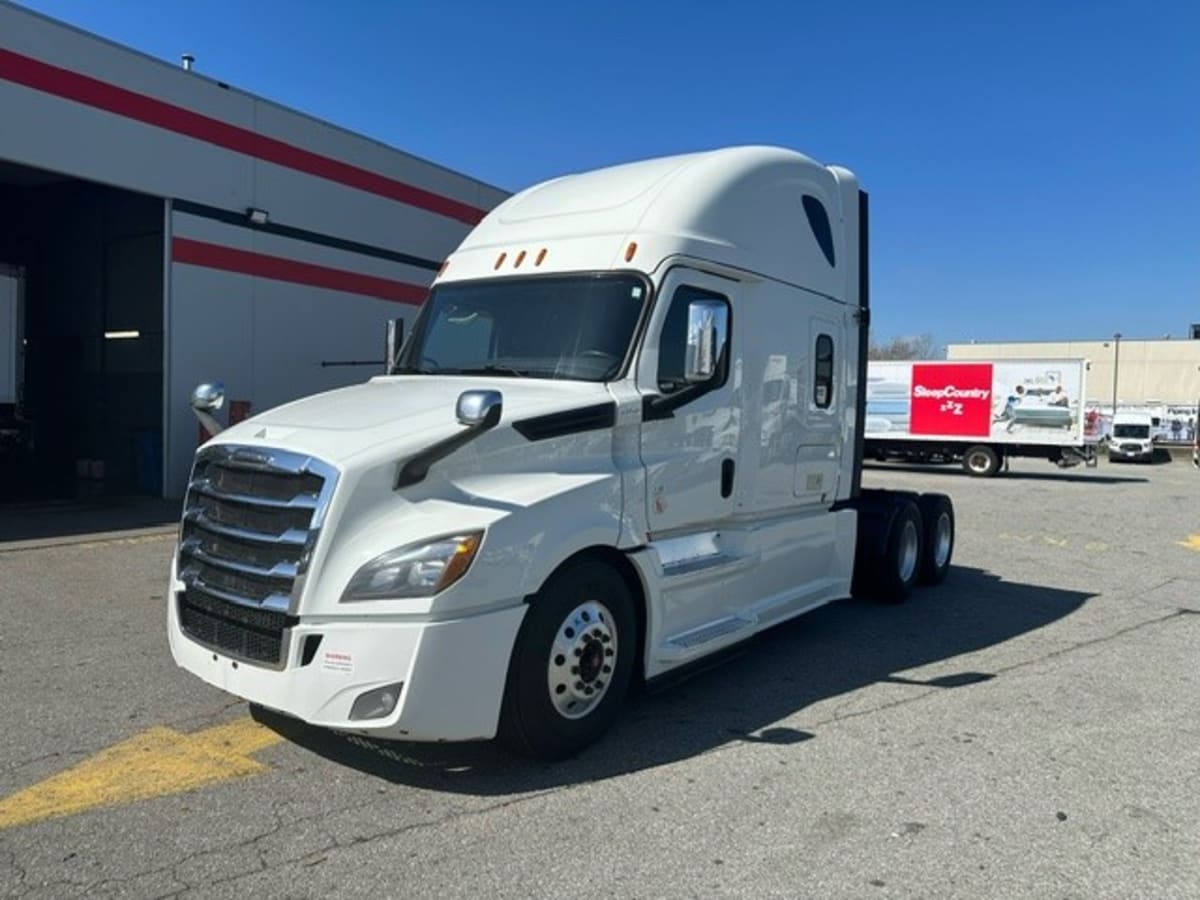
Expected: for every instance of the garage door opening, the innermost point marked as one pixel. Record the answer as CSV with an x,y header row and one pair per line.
x,y
81,369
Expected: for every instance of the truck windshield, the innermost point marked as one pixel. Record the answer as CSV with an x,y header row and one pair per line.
x,y
1131,431
576,327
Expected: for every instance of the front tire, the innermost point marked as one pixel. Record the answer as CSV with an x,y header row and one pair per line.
x,y
572,662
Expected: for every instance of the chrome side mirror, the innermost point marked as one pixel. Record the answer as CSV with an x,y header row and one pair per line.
x,y
395,341
707,333
479,408
207,399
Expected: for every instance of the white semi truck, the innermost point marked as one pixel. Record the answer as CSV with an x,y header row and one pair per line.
x,y
624,435
979,412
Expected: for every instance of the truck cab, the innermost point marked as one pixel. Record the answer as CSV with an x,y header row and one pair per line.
x,y
621,437
1131,438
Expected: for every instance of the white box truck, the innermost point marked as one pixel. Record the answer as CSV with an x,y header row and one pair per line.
x,y
979,412
623,436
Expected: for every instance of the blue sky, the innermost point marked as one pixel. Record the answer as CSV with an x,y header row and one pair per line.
x,y
1034,168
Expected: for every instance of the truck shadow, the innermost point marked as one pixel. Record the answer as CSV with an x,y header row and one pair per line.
x,y
50,520
831,652
1053,475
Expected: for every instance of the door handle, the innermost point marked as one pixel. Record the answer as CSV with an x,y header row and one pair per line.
x,y
726,477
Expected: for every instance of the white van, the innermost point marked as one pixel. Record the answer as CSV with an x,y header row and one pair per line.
x,y
1131,437
624,435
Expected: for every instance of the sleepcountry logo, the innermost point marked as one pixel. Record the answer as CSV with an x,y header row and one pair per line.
x,y
950,392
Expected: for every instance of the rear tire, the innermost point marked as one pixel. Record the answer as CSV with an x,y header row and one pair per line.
x,y
572,663
981,461
937,520
897,572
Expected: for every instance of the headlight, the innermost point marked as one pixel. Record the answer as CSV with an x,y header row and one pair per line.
x,y
417,570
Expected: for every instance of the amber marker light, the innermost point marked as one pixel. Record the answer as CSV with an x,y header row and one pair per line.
x,y
541,256
500,260
520,259
460,561
630,251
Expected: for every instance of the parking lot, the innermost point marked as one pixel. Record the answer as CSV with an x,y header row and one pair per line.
x,y
1031,727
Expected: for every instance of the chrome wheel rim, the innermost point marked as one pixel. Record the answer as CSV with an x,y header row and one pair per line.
x,y
980,462
909,545
942,537
582,659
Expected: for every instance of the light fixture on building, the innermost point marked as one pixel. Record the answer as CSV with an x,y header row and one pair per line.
x,y
257,216
130,335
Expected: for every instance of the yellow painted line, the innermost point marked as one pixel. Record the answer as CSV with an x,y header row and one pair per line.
x,y
155,763
1192,542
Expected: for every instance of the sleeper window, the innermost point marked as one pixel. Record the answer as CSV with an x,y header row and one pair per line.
x,y
823,378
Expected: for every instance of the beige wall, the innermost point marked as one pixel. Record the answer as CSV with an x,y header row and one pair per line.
x,y
1167,371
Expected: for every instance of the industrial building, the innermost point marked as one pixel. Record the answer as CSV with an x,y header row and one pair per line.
x,y
161,228
1130,372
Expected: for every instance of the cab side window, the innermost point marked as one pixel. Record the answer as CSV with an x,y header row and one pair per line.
x,y
823,376
672,342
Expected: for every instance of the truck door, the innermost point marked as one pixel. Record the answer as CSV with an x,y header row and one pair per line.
x,y
690,453
822,407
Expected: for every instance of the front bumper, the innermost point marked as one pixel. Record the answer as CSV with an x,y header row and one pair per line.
x,y
453,672
1130,453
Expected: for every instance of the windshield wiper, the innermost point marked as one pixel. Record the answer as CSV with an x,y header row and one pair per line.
x,y
494,369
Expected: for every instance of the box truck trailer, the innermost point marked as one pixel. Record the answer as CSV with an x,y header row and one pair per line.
x,y
978,413
623,436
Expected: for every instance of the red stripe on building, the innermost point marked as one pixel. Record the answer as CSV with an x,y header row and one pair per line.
x,y
244,262
92,92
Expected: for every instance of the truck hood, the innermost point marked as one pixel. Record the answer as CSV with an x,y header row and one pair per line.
x,y
405,413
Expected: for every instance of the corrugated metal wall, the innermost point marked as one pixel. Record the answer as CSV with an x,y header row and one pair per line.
x,y
355,229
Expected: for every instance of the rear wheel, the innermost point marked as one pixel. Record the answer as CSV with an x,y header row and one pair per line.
x,y
897,571
937,520
981,461
572,663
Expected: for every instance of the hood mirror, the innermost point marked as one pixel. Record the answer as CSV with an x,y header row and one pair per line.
x,y
479,408
208,398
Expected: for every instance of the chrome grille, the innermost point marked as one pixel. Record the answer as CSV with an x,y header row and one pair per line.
x,y
250,522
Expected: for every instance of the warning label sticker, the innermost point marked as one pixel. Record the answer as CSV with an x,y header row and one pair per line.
x,y
337,661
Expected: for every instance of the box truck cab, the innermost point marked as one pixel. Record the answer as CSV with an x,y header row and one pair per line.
x,y
1131,437
622,436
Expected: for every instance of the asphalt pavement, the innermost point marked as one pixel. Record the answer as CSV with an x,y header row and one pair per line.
x,y
1029,728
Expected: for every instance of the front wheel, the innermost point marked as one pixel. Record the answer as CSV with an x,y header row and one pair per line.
x,y
572,662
